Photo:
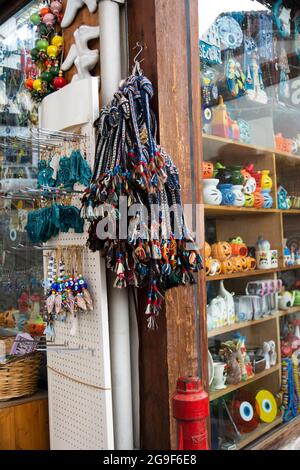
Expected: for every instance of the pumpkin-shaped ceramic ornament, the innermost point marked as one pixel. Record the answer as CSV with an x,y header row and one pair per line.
x,y
238,247
207,250
221,251
237,264
227,266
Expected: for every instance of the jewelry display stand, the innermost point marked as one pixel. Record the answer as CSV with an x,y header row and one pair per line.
x,y
80,397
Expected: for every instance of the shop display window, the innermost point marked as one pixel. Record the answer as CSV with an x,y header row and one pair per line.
x,y
250,67
21,263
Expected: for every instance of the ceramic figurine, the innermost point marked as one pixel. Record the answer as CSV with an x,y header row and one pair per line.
x,y
228,298
239,195
233,370
211,194
273,353
228,196
266,350
287,254
72,8
217,312
213,267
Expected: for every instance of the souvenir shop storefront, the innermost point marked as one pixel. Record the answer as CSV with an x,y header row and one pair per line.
x,y
149,224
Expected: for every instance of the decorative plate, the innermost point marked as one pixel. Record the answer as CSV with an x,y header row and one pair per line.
x,y
230,32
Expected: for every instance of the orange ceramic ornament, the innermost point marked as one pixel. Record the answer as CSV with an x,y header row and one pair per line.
x,y
207,250
251,263
238,247
227,266
207,170
259,200
212,267
221,251
237,263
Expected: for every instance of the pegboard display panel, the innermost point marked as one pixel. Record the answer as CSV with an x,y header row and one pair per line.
x,y
87,430
86,364
80,398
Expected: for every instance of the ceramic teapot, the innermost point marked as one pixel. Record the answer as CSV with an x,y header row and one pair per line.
x,y
228,298
286,300
216,313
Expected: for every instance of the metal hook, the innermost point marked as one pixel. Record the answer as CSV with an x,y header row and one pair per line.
x,y
139,52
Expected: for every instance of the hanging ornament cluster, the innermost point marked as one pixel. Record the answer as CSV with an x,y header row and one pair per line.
x,y
45,75
67,291
129,164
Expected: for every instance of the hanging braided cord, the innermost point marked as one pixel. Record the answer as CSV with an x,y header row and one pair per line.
x,y
129,163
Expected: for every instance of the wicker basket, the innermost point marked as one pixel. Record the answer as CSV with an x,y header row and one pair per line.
x,y
19,377
9,341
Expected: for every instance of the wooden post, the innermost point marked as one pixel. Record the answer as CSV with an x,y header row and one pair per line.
x,y
168,29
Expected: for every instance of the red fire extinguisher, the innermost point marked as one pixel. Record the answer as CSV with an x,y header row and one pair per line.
x,y
190,409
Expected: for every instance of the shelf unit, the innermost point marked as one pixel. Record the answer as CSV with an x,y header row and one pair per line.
x,y
273,224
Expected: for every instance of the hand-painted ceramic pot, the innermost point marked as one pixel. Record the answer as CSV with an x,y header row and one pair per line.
x,y
211,193
228,196
207,170
268,200
239,195
237,177
224,176
257,175
249,200
266,180
250,185
221,251
259,200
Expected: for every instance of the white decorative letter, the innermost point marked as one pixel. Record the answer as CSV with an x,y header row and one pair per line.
x,y
72,8
80,55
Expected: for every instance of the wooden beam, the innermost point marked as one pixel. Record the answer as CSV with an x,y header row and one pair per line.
x,y
9,8
168,29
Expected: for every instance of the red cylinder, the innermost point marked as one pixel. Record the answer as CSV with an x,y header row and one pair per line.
x,y
191,409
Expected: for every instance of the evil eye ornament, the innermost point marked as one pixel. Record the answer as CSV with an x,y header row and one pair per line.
x,y
244,416
207,115
266,406
230,32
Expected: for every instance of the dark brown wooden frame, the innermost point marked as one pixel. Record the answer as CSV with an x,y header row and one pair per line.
x,y
8,8
168,29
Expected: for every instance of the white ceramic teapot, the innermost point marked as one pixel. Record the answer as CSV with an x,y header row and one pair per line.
x,y
228,298
286,300
216,313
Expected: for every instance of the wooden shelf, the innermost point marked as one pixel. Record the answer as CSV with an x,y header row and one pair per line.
x,y
212,143
241,325
259,431
214,394
290,311
290,268
231,210
256,272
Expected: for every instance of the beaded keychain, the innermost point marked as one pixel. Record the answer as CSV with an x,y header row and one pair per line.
x,y
129,163
67,290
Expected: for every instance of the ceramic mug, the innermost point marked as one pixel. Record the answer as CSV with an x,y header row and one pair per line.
x,y
274,258
219,376
264,259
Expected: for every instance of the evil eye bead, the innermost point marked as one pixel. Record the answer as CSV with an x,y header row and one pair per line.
x,y
246,411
